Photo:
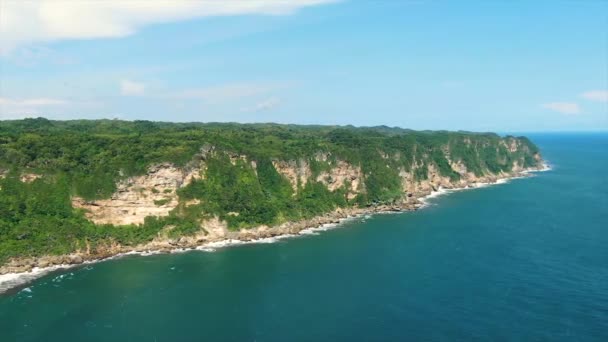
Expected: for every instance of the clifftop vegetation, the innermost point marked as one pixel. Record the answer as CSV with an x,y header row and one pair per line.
x,y
240,185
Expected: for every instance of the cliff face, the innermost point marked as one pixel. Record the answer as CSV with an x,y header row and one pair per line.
x,y
339,174
155,193
135,200
96,188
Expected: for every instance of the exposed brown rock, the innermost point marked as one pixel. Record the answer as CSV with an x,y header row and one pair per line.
x,y
296,171
153,194
340,174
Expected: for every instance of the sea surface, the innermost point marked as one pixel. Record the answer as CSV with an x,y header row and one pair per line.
x,y
522,261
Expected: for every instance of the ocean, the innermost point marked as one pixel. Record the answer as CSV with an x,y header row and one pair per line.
x,y
521,261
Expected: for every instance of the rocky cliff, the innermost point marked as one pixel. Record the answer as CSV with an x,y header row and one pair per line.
x,y
152,194
156,192
141,186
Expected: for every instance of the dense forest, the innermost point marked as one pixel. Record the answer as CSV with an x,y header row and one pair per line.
x,y
88,158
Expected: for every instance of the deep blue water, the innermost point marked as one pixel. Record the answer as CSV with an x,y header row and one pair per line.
x,y
527,260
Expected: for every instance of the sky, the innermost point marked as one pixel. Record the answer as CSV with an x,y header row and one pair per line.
x,y
458,65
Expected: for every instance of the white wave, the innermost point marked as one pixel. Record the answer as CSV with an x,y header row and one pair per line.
x,y
58,278
146,253
205,249
11,280
308,231
441,191
172,251
434,194
546,167
9,277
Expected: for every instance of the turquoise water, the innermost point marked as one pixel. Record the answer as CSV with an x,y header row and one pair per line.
x,y
527,260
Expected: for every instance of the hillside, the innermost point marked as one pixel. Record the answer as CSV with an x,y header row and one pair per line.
x,y
90,189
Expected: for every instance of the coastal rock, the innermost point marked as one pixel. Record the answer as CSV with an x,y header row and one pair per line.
x,y
153,194
75,259
342,174
297,172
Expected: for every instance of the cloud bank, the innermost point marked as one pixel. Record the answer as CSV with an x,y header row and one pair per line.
x,y
25,22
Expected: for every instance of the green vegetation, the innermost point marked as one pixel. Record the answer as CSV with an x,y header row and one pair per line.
x,y
162,201
88,158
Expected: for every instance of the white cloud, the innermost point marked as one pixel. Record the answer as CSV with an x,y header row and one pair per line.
x,y
563,107
20,108
132,88
265,105
596,95
24,22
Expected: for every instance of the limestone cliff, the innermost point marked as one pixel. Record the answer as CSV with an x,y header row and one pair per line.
x,y
152,194
155,193
64,189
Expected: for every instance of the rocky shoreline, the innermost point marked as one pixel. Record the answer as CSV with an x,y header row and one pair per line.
x,y
19,271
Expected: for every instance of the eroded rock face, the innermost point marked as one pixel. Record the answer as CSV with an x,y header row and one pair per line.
x,y
413,188
466,177
436,180
153,194
214,229
340,175
296,171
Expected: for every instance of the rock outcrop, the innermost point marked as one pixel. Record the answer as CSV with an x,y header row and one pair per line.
x,y
342,174
297,172
153,194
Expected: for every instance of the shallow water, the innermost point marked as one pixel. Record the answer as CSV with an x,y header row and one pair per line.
x,y
527,260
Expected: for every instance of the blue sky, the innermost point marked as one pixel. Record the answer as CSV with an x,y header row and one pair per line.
x,y
471,65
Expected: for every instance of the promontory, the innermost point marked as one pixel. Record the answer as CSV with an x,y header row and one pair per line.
x,y
72,191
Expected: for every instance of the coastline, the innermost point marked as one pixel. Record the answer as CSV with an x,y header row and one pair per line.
x,y
332,220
